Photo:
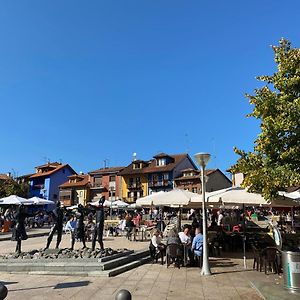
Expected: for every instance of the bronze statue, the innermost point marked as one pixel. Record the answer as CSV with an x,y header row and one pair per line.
x,y
19,231
98,231
58,218
79,233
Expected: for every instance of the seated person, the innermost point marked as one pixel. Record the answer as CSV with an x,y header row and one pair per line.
x,y
156,246
197,244
185,236
186,240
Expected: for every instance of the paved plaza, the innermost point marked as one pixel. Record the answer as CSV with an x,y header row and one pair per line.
x,y
150,281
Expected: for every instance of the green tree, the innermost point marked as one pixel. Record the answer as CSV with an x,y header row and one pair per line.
x,y
274,164
11,187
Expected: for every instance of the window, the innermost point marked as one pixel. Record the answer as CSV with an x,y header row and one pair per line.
x,y
136,166
80,193
194,190
166,176
112,178
161,162
98,181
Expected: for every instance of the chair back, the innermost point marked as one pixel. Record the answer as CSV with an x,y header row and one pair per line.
x,y
173,250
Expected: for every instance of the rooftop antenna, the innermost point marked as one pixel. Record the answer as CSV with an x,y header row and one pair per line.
x,y
106,163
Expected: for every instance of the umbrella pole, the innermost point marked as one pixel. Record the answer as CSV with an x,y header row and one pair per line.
x,y
244,237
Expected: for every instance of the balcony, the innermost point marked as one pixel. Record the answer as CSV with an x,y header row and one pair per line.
x,y
163,183
97,185
134,186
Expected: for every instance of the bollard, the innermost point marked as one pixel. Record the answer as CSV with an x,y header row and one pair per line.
x,y
3,291
123,295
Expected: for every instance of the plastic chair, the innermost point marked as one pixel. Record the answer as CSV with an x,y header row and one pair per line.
x,y
256,258
269,259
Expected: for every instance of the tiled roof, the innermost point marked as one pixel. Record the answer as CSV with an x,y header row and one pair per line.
x,y
43,174
103,171
161,155
84,182
153,168
25,176
51,164
4,177
130,170
207,173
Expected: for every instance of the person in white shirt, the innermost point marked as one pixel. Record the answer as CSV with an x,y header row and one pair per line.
x,y
185,236
220,218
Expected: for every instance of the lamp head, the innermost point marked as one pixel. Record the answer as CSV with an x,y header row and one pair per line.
x,y
202,158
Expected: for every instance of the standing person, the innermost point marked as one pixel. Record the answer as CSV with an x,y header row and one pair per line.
x,y
70,226
98,231
58,218
19,232
79,229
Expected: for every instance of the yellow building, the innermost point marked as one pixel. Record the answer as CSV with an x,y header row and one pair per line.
x,y
75,191
134,181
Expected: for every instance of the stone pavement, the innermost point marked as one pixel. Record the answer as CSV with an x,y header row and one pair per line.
x,y
150,281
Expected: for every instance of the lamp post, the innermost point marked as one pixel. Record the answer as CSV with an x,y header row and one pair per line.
x,y
202,159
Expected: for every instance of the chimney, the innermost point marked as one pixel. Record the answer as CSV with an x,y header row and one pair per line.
x,y
134,156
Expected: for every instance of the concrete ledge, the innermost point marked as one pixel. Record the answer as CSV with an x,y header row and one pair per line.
x,y
83,267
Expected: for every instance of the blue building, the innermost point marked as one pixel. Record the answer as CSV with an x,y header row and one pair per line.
x,y
164,168
47,179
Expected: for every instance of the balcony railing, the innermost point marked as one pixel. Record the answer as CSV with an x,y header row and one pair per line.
x,y
160,183
96,185
135,185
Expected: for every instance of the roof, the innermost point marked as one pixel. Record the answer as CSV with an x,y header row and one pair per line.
x,y
85,181
103,171
153,168
59,167
161,155
130,170
4,177
207,173
54,164
25,176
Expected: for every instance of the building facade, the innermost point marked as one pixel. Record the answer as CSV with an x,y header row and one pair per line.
x,y
191,180
163,169
134,181
75,191
47,179
106,182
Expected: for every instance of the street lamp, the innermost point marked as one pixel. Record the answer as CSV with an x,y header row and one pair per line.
x,y
202,159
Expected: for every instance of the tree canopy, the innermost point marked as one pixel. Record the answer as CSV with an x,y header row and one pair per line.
x,y
274,164
11,187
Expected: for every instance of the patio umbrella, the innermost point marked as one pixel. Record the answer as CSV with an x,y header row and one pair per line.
x,y
237,196
293,195
14,200
173,198
40,201
119,204
148,200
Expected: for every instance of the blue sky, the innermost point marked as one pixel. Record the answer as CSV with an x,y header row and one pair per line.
x,y
85,81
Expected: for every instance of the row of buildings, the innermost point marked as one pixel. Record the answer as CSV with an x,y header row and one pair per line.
x,y
56,181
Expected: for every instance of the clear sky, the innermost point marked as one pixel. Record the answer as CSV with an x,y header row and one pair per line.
x,y
85,81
